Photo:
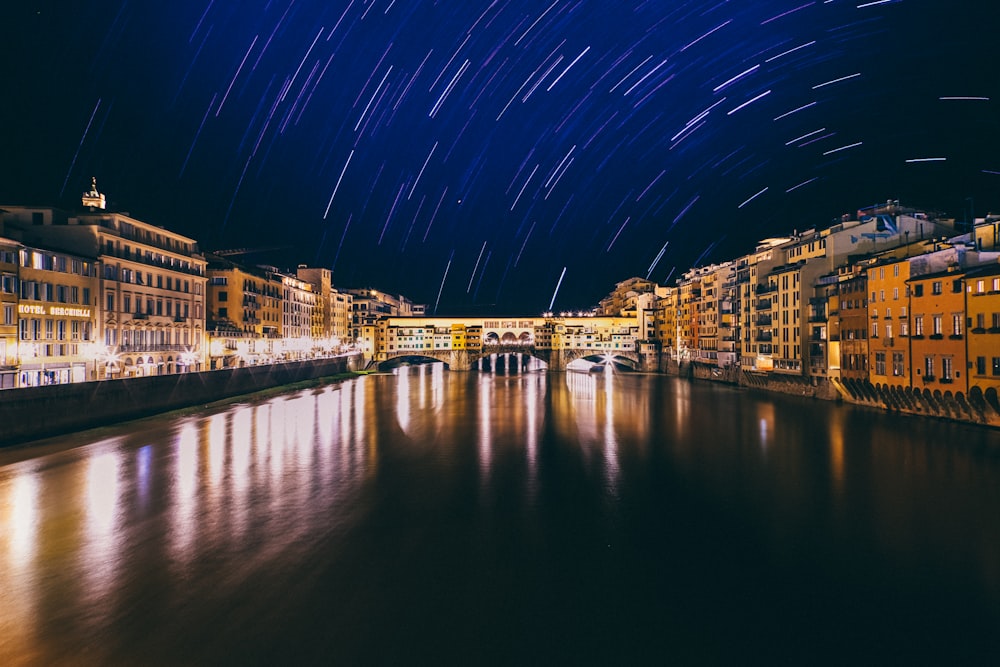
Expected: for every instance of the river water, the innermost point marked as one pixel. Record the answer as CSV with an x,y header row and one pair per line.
x,y
430,517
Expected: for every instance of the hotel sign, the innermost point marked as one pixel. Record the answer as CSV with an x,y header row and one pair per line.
x,y
57,311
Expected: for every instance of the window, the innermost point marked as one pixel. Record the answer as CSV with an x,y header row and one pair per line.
x,y
996,285
127,303
880,363
111,302
996,321
8,284
881,273
937,325
918,325
223,296
956,325
898,367
902,311
946,368
936,287
86,296
980,365
881,295
956,286
8,313
929,367
996,366
888,329
874,329
904,329
873,296
888,312
980,286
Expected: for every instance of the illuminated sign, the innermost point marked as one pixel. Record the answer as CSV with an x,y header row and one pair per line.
x,y
58,311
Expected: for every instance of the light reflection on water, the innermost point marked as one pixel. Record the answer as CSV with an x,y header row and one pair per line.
x,y
221,503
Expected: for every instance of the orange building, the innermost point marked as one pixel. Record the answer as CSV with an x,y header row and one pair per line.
x,y
937,324
889,360
983,322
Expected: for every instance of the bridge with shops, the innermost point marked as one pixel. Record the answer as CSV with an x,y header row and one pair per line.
x,y
487,343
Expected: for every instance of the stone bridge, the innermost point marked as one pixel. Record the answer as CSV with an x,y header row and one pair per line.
x,y
463,341
556,360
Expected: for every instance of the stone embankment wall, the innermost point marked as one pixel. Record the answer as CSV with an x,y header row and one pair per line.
x,y
36,412
975,408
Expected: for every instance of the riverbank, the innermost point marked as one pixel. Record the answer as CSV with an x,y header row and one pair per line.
x,y
974,408
37,412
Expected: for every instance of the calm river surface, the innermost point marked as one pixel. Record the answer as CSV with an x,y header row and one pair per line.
x,y
430,517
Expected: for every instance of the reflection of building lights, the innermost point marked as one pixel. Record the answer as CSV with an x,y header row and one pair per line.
x,y
21,510
102,491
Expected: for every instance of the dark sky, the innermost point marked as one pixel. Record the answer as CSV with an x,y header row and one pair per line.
x,y
500,146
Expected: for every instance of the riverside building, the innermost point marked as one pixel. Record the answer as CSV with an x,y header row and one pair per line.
x,y
149,299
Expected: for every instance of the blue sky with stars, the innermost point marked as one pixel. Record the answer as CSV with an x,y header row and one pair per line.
x,y
486,150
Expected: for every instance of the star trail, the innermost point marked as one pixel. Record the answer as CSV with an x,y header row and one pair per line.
x,y
537,148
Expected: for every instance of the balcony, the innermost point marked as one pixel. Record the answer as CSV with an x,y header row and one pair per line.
x,y
764,337
763,320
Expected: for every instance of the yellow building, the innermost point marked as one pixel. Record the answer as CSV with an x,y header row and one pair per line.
x,y
244,313
298,322
983,320
9,250
756,335
151,298
665,319
56,321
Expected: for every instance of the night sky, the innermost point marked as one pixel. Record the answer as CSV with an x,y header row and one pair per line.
x,y
500,146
